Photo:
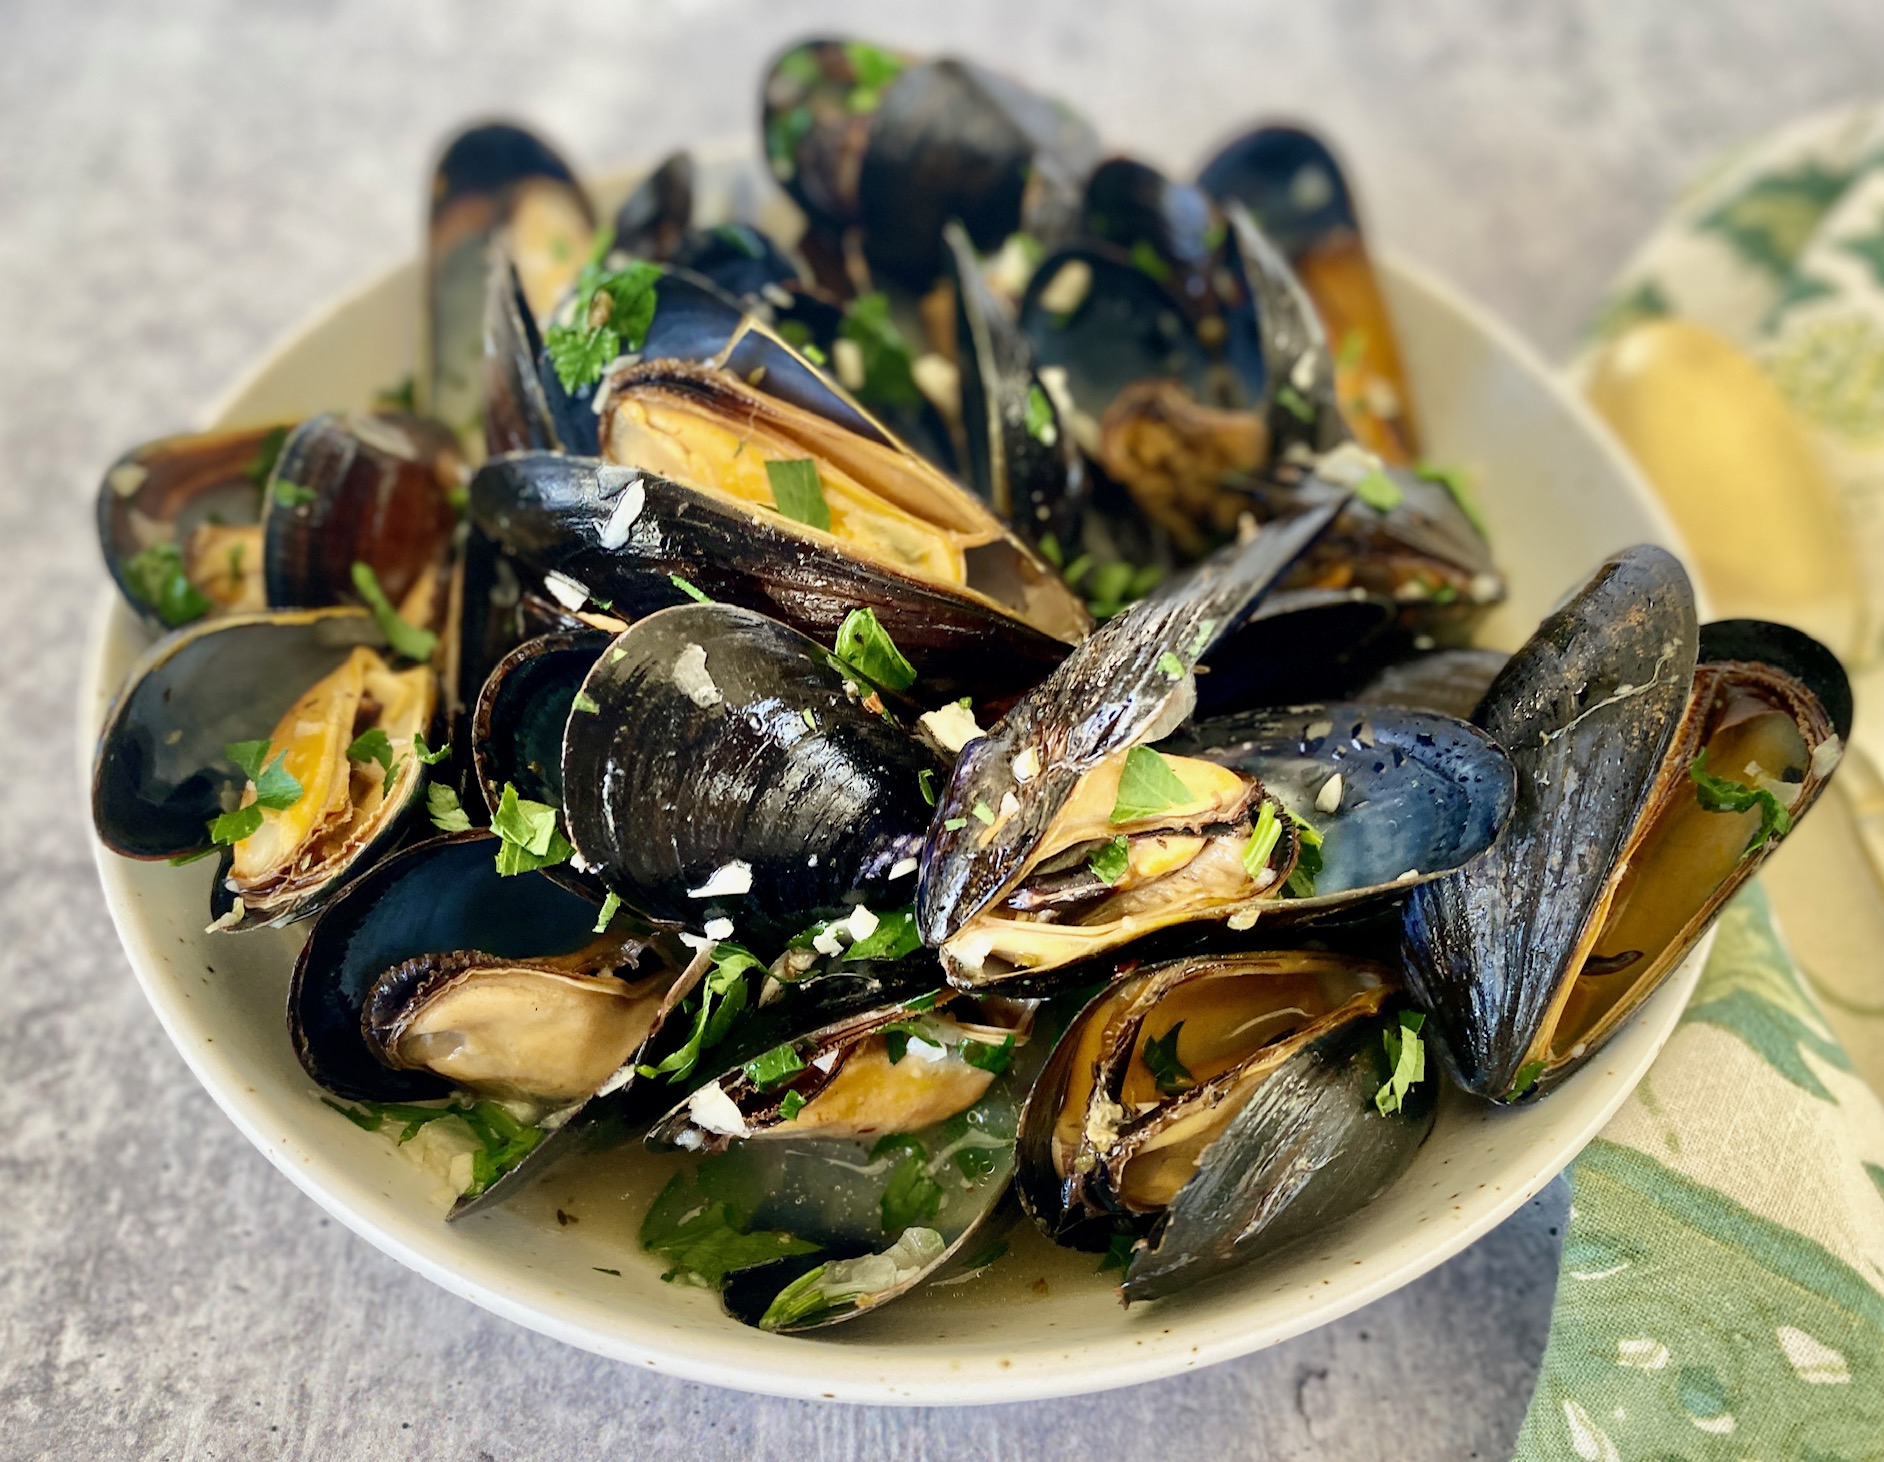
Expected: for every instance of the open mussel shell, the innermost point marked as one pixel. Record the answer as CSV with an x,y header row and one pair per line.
x,y
171,511
1397,798
1218,1107
1021,458
888,1201
517,727
951,140
1116,691
161,773
719,764
1621,719
625,536
1294,189
653,218
495,184
435,975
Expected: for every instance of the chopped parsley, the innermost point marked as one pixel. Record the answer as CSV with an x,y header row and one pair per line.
x,y
613,311
267,454
954,824
423,751
715,1005
1525,1079
791,1106
275,788
774,1067
1171,665
982,813
1294,402
1301,884
1110,861
445,810
798,492
986,1057
406,639
1406,1062
401,396
1147,786
527,834
688,589
1039,417
158,582
888,379
894,937
1050,550
1262,840
585,703
1201,640
866,647
1724,794
1161,1060
503,1141
1147,260
1453,479
293,495
1109,587
1118,1254
1379,491
611,905
705,1237
925,783
911,1196
375,745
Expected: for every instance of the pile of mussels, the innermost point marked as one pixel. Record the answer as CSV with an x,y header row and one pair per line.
x,y
970,698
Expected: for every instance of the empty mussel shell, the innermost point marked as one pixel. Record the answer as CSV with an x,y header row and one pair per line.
x,y
1658,766
1218,1107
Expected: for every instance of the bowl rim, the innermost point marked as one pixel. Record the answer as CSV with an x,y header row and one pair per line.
x,y
847,1372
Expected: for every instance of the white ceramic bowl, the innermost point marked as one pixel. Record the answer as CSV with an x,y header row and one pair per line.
x,y
1558,496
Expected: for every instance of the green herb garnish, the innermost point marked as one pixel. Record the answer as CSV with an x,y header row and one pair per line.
x,y
1307,868
401,396
1724,794
1161,1060
1149,261
1171,665
888,379
445,810
705,1238
986,1057
1147,786
954,824
613,311
925,783
912,1196
798,492
791,1106
424,752
1109,862
1406,1062
375,745
157,580
774,1067
503,1141
406,639
1294,402
527,834
1379,491
1039,417
611,903
275,788
267,454
982,813
1262,840
894,937
1525,1079
293,495
865,645
1453,479
585,703
715,1005
1118,1254
688,589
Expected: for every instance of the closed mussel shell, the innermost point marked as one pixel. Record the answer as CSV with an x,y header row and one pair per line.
x,y
720,765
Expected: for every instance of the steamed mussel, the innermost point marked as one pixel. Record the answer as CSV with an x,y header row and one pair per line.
x,y
947,718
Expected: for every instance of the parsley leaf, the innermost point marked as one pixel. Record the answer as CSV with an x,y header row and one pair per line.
x,y
1118,1254
866,647
1262,840
445,810
1161,1060
1147,260
406,639
1525,1079
1171,665
986,1057
706,1238
888,379
233,827
687,587
613,311
1294,402
425,753
1453,479
503,1141
527,833
1379,491
611,904
1110,862
798,492
157,580
267,454
911,1196
894,937
715,1005
791,1106
1307,868
1147,786
925,783
374,745
1406,1061
982,813
774,1067
293,495
1724,794
1039,418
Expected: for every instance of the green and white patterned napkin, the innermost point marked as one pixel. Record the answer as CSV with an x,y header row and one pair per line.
x,y
1722,1289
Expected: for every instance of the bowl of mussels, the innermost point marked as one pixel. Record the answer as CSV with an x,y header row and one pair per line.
x,y
913,760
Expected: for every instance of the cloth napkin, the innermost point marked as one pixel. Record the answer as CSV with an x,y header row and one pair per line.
x,y
1722,1286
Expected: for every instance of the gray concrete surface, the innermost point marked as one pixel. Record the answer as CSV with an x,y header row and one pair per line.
x,y
178,185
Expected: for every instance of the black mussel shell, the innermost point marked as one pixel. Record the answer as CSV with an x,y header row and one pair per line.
x,y
580,519
951,140
714,749
1289,182
517,729
160,774
1022,459
1299,645
653,218
1451,682
494,184
1128,202
818,103
156,497
1114,691
739,259
1419,795
525,406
